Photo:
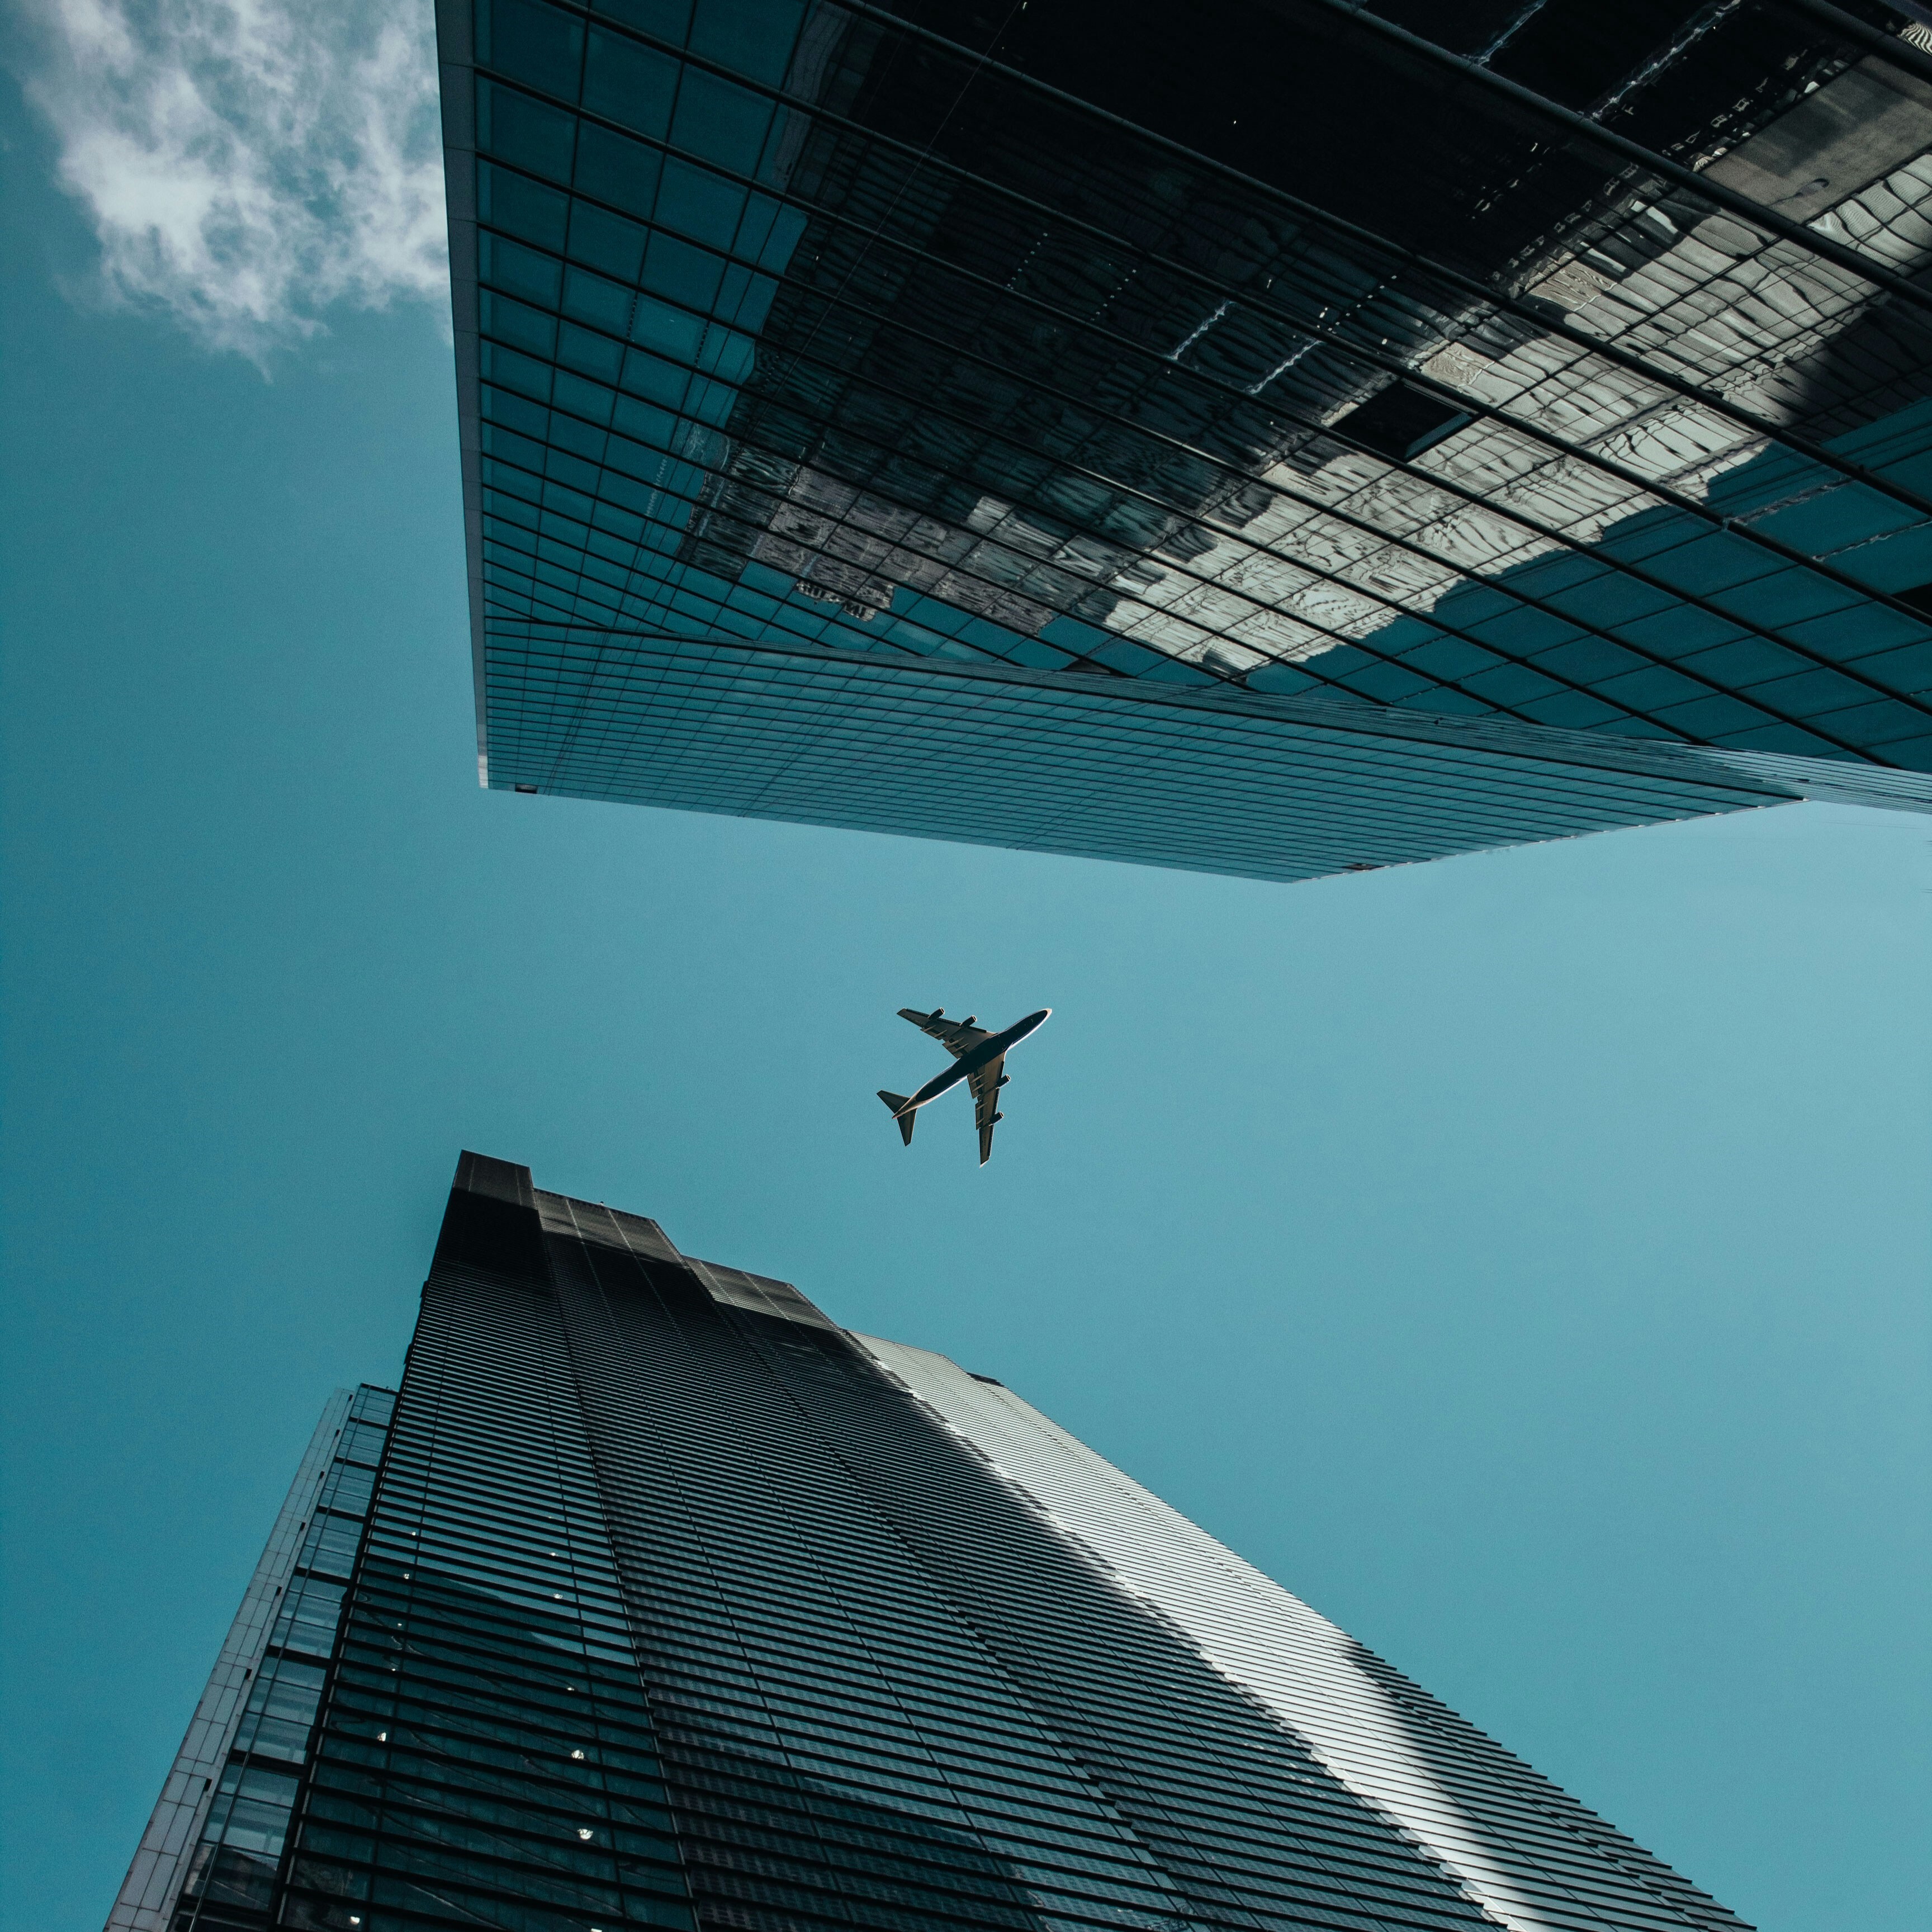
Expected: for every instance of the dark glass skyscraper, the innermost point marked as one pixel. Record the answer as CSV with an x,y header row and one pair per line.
x,y
1273,436
653,1598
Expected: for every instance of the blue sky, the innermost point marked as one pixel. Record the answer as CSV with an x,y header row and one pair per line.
x,y
1522,1258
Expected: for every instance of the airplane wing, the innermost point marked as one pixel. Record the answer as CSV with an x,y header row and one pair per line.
x,y
955,1038
986,1084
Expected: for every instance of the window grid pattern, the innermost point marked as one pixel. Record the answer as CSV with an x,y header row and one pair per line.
x,y
1510,1838
1497,475
820,1690
753,362
230,1879
149,1894
817,1540
485,1755
985,1537
670,1604
1272,788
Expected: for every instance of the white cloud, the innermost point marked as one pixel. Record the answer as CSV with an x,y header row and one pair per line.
x,y
248,164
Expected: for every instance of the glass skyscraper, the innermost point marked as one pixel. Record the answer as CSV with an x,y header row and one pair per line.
x,y
653,1598
1274,437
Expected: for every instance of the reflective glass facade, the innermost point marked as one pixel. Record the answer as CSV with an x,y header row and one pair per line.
x,y
1268,441
654,1599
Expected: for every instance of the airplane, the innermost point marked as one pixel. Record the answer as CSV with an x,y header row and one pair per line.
x,y
978,1056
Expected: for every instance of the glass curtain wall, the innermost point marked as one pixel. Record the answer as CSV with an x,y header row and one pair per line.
x,y
1056,346
230,1876
654,1599
485,1755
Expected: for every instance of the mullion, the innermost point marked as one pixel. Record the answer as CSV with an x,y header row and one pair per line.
x,y
1298,665
569,621
1852,260
1336,225
1662,494
858,1621
1478,779
1036,1672
1324,841
1237,592
1467,405
1524,598
1429,479
1502,815
1875,39
924,1563
918,1859
416,1697
1480,291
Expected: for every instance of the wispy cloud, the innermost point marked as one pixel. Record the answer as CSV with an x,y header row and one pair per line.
x,y
249,164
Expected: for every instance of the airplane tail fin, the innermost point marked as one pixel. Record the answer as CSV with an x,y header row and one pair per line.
x,y
896,1102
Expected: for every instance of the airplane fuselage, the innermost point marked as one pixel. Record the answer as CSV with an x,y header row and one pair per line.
x,y
969,1063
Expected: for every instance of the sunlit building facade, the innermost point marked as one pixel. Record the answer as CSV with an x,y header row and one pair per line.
x,y
654,1598
1264,439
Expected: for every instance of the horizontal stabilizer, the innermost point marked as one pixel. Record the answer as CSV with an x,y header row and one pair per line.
x,y
897,1103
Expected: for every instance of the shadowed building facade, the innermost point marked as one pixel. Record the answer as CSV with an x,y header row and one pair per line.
x,y
654,1598
1261,440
